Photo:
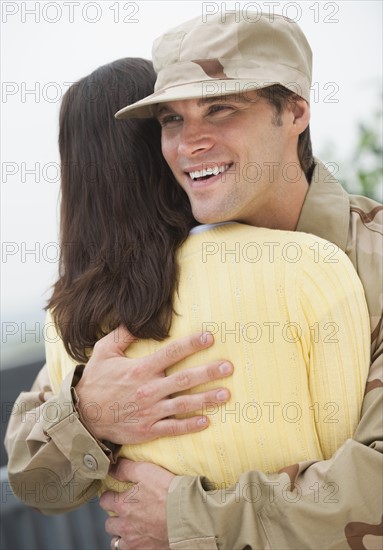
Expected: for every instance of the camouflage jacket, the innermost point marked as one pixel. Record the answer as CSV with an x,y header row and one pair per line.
x,y
330,504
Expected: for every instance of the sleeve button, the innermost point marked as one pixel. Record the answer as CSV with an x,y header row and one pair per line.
x,y
90,462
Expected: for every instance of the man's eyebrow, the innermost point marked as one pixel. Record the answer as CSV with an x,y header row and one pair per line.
x,y
161,108
237,97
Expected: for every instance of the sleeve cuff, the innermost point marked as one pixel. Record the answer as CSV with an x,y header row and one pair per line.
x,y
90,457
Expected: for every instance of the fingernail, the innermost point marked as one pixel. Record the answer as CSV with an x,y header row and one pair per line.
x,y
222,395
202,421
225,368
206,338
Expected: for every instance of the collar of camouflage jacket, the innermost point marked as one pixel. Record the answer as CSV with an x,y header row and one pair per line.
x,y
326,209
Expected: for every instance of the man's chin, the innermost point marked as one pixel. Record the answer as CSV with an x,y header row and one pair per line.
x,y
209,217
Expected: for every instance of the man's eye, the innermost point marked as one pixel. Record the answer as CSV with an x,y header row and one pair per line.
x,y
169,119
217,108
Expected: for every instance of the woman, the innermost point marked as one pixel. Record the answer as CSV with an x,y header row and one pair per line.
x,y
122,213
289,325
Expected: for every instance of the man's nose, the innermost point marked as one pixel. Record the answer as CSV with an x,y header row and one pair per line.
x,y
195,138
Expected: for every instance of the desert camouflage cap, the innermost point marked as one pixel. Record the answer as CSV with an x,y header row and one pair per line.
x,y
227,56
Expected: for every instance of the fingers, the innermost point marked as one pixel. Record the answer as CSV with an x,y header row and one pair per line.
x,y
128,469
115,342
108,501
195,402
155,391
174,427
208,403
135,472
190,378
178,350
122,469
116,503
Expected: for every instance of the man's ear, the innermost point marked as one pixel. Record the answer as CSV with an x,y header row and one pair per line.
x,y
301,112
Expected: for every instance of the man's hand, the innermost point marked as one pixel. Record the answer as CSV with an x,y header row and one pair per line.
x,y
126,400
140,514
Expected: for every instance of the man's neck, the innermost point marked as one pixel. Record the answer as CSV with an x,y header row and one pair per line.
x,y
284,209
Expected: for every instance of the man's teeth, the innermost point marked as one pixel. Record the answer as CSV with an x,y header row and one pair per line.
x,y
208,172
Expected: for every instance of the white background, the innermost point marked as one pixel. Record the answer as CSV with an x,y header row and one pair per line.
x,y
48,45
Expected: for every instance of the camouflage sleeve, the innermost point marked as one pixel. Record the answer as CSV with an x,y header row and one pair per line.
x,y
330,504
54,464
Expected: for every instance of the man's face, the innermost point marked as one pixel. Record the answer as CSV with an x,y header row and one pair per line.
x,y
229,154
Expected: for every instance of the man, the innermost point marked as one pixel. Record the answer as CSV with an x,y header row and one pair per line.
x,y
214,104
211,101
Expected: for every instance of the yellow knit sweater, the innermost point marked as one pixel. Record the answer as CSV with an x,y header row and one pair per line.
x,y
288,310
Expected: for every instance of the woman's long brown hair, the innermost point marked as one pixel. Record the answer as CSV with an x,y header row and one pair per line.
x,y
122,214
